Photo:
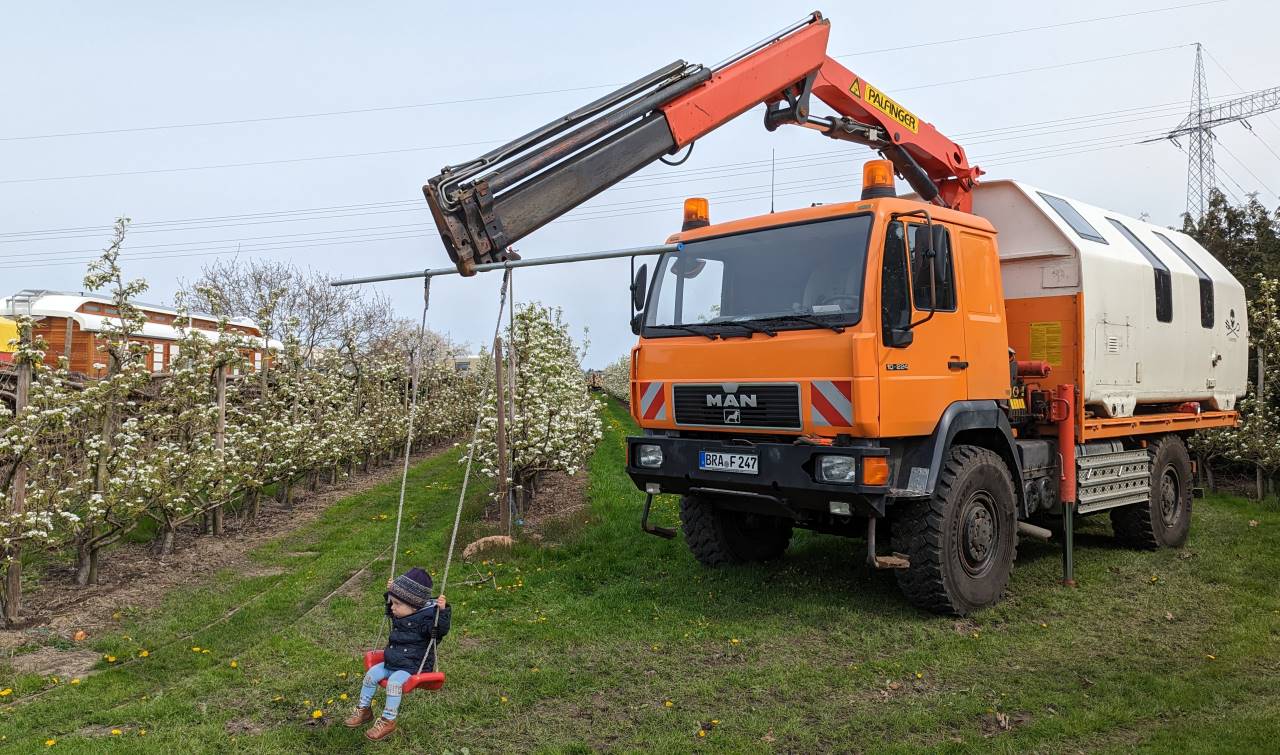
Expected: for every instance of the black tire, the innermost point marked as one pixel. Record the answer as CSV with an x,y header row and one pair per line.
x,y
1165,519
962,541
718,536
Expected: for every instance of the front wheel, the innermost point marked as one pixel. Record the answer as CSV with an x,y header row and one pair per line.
x,y
961,542
718,536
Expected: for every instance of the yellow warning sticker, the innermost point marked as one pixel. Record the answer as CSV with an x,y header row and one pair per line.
x,y
1017,403
882,102
856,87
1046,342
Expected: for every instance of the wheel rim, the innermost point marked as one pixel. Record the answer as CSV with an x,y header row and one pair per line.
x,y
979,534
1170,503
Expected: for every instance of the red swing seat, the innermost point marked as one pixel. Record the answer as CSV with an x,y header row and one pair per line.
x,y
426,680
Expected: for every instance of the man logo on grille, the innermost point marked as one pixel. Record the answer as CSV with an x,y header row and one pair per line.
x,y
733,416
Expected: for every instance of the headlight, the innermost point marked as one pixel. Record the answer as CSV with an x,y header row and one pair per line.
x,y
842,469
649,456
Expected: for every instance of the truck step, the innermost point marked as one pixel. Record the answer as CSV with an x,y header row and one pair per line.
x,y
1111,479
896,561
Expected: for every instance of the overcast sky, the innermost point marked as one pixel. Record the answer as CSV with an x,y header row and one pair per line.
x,y
128,67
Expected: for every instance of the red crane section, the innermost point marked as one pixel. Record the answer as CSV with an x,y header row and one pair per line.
x,y
484,205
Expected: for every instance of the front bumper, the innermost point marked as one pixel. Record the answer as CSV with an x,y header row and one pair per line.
x,y
785,483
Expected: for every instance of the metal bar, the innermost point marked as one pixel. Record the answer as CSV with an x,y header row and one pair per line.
x,y
458,173
637,251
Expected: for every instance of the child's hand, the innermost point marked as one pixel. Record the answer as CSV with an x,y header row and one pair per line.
x,y
440,603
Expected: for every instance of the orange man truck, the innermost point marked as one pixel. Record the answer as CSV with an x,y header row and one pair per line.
x,y
963,365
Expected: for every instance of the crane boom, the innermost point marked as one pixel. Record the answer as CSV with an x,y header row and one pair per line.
x,y
484,205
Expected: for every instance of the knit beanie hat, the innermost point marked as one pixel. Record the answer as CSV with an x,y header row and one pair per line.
x,y
413,588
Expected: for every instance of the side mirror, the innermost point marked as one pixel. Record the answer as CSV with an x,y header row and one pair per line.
x,y
938,239
900,338
638,288
635,322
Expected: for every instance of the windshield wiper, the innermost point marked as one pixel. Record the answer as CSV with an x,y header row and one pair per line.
x,y
799,318
691,329
751,326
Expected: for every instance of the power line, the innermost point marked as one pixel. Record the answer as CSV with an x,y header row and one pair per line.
x,y
117,174
544,92
1247,169
991,35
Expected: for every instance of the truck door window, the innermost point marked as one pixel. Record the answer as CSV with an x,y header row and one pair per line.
x,y
895,295
1206,283
1164,281
944,274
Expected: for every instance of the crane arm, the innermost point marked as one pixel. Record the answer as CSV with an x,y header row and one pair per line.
x,y
482,206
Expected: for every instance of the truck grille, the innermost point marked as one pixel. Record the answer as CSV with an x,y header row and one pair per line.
x,y
756,405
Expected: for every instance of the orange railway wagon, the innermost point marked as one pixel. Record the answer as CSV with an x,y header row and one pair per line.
x,y
72,325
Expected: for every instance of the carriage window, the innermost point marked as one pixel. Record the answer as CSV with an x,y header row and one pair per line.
x,y
1164,281
1206,283
1073,217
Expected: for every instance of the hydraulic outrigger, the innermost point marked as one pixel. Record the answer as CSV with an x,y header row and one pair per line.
x,y
484,205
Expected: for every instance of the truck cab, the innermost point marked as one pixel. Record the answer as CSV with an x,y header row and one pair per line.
x,y
777,353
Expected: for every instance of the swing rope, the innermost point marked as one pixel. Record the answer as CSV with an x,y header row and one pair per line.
x,y
413,412
466,475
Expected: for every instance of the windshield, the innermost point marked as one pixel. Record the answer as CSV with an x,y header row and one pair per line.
x,y
799,276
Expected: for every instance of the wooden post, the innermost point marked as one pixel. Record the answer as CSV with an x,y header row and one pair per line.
x,y
220,441
18,503
1262,407
501,409
66,347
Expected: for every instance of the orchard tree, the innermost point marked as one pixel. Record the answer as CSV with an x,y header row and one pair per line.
x,y
557,425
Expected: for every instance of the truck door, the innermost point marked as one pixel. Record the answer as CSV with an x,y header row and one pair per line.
x,y
920,379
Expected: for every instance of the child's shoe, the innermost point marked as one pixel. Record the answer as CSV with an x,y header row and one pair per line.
x,y
359,717
381,730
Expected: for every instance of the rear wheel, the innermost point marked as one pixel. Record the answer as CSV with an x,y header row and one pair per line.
x,y
1164,520
718,536
961,542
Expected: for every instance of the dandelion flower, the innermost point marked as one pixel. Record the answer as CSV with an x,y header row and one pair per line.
x,y
6,691
317,714
702,732
144,653
503,698
109,658
50,742
919,675
142,732
733,641
116,732
343,696
667,704
195,648
75,681
234,664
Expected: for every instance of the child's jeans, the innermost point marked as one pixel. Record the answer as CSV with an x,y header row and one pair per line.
x,y
395,685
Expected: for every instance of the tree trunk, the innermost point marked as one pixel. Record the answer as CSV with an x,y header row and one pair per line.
x,y
255,503
164,541
84,564
1210,481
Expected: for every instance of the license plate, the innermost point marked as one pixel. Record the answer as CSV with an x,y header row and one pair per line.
x,y
715,461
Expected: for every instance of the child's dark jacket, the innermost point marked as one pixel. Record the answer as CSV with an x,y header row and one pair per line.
x,y
410,636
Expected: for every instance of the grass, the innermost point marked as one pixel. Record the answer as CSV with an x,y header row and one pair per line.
x,y
612,639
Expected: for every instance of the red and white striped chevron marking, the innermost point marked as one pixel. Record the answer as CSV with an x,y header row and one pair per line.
x,y
831,403
653,401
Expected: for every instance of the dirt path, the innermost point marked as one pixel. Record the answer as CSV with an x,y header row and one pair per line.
x,y
132,580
